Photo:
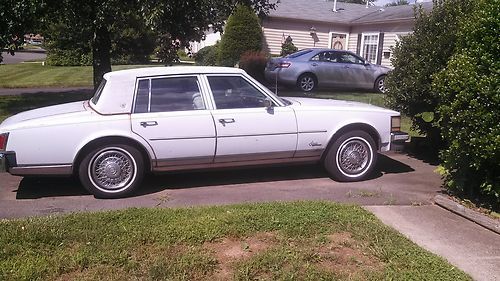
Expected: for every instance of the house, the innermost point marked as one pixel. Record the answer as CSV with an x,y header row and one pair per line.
x,y
369,31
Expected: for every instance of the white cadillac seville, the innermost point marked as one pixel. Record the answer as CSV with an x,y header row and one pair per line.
x,y
179,118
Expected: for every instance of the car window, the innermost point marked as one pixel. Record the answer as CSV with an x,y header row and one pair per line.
x,y
98,92
350,58
299,53
168,94
235,92
326,57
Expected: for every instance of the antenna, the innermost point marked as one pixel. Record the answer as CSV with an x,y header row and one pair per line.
x,y
335,5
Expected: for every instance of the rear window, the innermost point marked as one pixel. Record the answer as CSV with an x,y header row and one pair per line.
x,y
299,53
98,92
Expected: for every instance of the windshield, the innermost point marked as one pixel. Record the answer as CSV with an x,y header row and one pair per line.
x,y
299,53
98,92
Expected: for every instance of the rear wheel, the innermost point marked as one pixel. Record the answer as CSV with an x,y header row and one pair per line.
x,y
307,82
112,171
351,157
380,84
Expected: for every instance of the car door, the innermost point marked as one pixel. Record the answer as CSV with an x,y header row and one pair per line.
x,y
355,73
327,69
247,130
170,113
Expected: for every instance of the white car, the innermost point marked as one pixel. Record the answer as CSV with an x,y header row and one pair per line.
x,y
183,118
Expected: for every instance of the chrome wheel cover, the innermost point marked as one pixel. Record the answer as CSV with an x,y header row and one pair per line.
x,y
112,169
354,156
307,83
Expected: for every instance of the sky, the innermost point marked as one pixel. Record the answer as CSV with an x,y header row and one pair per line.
x,y
383,2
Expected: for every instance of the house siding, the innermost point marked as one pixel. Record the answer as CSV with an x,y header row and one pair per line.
x,y
391,32
275,31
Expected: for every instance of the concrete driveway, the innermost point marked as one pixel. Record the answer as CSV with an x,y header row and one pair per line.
x,y
402,180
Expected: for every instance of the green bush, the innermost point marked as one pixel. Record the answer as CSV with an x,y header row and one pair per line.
x,y
288,47
76,57
469,89
242,33
254,64
207,55
420,55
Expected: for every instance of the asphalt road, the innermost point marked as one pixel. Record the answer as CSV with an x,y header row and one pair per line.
x,y
402,180
19,57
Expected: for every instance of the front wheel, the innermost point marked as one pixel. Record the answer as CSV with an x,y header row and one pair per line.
x,y
112,171
351,157
307,82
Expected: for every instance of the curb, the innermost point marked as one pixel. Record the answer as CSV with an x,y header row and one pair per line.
x,y
478,218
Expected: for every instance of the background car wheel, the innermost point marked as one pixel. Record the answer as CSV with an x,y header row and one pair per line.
x,y
379,84
351,157
112,171
307,82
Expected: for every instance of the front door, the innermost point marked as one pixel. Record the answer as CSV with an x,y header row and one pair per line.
x,y
247,130
339,41
170,113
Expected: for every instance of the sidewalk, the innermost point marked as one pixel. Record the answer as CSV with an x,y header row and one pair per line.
x,y
466,245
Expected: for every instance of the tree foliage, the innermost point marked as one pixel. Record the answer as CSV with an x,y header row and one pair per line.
x,y
469,108
242,34
420,55
17,17
173,23
288,47
397,3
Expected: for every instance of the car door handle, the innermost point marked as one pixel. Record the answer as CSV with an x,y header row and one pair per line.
x,y
314,64
149,123
346,66
225,121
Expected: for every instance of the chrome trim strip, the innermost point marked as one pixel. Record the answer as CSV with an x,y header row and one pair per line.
x,y
312,132
257,135
182,138
238,164
254,156
184,161
309,153
42,170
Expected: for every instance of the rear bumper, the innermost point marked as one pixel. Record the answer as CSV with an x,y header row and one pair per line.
x,y
398,139
7,161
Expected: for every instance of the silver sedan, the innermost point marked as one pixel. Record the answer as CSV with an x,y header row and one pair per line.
x,y
311,68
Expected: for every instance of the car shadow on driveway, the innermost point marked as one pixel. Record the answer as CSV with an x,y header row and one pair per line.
x,y
34,188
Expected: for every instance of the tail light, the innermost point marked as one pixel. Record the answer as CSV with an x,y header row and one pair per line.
x,y
3,141
283,65
395,123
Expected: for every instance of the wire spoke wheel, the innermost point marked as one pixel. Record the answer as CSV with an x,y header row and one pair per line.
x,y
353,156
112,169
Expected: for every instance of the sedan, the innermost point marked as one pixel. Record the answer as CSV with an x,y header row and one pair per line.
x,y
189,118
311,68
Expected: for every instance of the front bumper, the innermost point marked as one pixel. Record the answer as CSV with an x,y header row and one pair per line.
x,y
7,160
398,139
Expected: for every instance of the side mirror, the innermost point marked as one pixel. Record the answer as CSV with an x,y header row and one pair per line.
x,y
268,103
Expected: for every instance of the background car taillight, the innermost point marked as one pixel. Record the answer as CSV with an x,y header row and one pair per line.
x,y
3,141
283,65
395,123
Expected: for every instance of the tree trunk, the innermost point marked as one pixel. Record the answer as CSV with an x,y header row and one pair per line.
x,y
101,58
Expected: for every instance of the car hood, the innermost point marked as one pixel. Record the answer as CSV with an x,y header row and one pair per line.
x,y
44,112
336,104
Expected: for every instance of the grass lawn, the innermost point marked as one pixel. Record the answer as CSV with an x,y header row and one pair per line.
x,y
271,241
26,75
